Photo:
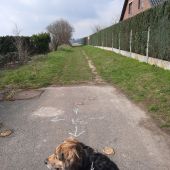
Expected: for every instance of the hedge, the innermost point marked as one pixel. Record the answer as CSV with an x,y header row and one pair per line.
x,y
8,51
40,43
36,44
118,36
7,45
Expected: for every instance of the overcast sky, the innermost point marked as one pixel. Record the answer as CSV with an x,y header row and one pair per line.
x,y
32,16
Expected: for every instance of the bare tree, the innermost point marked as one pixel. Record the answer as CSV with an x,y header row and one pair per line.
x,y
115,20
21,46
61,32
97,28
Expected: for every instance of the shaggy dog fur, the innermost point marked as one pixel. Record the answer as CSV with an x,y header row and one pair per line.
x,y
74,155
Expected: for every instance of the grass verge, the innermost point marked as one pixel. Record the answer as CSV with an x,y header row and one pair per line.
x,y
143,83
64,67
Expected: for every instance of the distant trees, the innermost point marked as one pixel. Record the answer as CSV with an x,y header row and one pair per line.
x,y
97,28
115,20
60,32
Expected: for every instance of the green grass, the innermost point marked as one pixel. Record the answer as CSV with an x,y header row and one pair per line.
x,y
64,67
143,83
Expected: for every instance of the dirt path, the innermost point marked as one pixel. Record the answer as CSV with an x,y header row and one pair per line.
x,y
97,79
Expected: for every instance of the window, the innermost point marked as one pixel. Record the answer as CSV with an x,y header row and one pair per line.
x,y
130,8
140,4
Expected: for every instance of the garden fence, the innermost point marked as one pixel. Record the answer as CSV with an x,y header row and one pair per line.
x,y
147,34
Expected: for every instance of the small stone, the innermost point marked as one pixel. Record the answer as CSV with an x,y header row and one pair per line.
x,y
108,151
5,133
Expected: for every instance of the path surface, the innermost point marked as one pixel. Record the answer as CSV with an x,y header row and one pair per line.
x,y
97,79
98,115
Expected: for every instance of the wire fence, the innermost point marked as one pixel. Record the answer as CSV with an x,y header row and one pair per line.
x,y
146,42
147,34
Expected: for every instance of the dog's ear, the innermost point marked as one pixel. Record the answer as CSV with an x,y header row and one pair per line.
x,y
73,155
76,153
61,156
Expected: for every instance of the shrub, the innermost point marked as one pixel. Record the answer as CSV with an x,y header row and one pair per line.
x,y
40,43
36,44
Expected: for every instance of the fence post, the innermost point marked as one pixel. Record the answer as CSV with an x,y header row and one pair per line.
x,y
119,42
106,39
130,43
147,45
102,40
112,41
98,39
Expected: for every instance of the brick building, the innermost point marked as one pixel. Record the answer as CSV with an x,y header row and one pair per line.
x,y
134,7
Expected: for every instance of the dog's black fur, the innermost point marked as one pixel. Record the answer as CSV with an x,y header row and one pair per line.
x,y
92,160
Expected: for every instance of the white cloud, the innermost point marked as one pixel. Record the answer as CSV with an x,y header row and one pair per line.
x,y
27,2
106,16
84,27
34,15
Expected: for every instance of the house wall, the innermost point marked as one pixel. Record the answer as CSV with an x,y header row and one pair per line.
x,y
135,10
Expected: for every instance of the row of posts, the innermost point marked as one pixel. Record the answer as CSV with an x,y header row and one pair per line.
x,y
130,42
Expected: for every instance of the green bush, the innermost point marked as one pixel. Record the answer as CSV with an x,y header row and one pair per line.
x,y
7,44
36,44
40,43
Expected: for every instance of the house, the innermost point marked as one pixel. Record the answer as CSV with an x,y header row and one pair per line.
x,y
134,7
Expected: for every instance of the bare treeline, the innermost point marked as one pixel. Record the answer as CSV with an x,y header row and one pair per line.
x,y
96,28
61,32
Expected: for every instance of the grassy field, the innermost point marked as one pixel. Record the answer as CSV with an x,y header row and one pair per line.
x,y
143,83
64,67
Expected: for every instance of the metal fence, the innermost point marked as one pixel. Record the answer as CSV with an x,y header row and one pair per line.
x,y
146,34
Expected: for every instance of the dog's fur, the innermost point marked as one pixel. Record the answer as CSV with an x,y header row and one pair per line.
x,y
74,155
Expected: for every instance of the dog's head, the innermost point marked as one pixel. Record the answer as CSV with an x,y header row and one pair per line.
x,y
66,156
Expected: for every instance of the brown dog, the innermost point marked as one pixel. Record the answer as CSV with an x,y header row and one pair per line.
x,y
74,155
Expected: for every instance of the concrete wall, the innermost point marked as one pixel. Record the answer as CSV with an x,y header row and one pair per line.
x,y
146,5
153,61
